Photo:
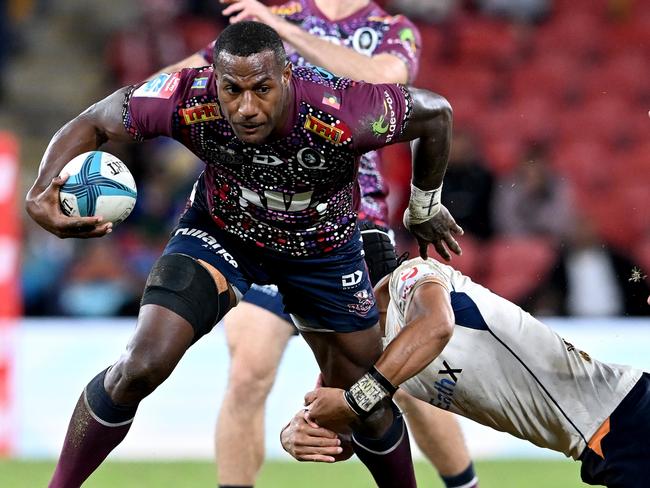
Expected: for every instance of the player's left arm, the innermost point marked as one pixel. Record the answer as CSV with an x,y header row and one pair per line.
x,y
429,130
429,326
87,132
343,61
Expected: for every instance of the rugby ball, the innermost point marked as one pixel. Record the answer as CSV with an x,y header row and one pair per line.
x,y
99,185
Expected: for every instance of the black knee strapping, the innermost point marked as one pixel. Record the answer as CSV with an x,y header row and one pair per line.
x,y
379,251
180,284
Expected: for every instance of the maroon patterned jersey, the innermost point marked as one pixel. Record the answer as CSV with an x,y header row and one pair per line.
x,y
297,194
368,31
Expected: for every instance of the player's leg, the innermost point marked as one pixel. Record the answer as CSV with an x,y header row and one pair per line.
x,y
381,442
332,302
187,292
440,439
108,404
257,338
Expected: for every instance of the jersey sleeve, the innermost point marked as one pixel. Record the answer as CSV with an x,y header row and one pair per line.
x,y
408,278
403,41
377,114
150,106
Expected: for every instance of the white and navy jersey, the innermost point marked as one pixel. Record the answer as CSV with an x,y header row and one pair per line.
x,y
505,369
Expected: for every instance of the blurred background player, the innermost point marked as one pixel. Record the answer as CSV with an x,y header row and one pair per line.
x,y
359,40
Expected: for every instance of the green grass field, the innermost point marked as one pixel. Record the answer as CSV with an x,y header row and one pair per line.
x,y
495,474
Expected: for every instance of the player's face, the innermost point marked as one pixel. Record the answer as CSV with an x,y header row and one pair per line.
x,y
253,93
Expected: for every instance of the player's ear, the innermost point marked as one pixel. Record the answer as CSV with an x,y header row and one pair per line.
x,y
286,73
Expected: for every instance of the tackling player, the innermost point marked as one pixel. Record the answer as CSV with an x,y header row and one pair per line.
x,y
276,203
501,368
359,40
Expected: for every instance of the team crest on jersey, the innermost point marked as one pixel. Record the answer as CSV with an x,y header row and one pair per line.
x,y
386,124
336,134
162,86
201,113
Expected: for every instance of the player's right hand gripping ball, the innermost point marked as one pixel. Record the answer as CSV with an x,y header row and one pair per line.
x,y
99,185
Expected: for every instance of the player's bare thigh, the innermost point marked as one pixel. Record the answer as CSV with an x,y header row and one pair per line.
x,y
256,338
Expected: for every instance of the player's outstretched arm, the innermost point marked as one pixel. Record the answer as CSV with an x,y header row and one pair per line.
x,y
430,130
342,60
429,326
86,132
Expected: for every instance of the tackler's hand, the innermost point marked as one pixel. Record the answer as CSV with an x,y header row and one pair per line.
x,y
439,231
45,208
306,441
328,408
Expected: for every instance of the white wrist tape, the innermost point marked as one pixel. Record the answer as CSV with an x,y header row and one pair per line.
x,y
423,204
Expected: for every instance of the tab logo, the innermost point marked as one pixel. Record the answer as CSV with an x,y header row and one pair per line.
x,y
201,113
334,134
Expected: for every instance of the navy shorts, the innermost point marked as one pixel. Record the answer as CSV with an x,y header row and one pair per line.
x,y
269,298
327,293
626,447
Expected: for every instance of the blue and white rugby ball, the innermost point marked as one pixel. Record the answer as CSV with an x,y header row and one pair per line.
x,y
99,184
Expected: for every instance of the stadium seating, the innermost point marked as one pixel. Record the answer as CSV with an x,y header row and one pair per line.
x,y
517,265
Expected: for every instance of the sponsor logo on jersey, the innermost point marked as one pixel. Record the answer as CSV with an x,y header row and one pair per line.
x,y
365,40
275,200
365,303
201,113
209,243
200,83
323,73
407,36
267,159
351,280
310,158
410,274
386,19
287,9
386,124
162,86
331,101
445,386
334,134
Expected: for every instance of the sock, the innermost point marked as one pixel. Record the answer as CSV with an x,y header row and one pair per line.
x,y
389,457
466,479
97,426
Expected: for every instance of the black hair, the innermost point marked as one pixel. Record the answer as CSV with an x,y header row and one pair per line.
x,y
247,38
379,251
